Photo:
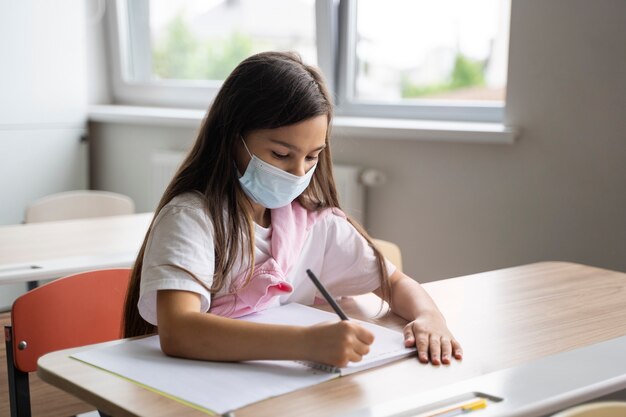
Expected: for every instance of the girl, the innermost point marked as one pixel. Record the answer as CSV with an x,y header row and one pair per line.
x,y
253,206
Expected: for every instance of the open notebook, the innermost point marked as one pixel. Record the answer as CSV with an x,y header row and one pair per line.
x,y
387,347
223,386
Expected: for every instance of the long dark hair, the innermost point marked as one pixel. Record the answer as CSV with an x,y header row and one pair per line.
x,y
265,91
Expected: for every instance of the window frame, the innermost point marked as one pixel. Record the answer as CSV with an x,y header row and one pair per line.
x,y
335,23
183,94
441,110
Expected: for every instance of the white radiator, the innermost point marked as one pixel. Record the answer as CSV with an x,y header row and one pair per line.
x,y
351,190
164,165
350,181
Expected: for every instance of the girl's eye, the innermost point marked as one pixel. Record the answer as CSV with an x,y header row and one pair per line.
x,y
312,158
279,156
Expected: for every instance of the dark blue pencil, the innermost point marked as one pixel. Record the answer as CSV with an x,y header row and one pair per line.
x,y
326,295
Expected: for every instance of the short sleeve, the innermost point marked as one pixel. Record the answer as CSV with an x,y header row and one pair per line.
x,y
179,248
350,266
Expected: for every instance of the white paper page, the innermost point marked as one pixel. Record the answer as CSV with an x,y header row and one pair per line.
x,y
216,386
223,386
388,344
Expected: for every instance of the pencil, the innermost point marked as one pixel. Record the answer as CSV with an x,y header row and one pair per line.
x,y
326,295
462,409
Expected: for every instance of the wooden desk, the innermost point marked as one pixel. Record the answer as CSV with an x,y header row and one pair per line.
x,y
503,318
36,251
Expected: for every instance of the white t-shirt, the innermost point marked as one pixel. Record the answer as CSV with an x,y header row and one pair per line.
x,y
182,235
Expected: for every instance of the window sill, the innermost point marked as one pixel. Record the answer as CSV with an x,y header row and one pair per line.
x,y
372,128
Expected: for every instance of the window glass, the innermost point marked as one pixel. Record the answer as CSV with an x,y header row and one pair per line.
x,y
409,50
206,39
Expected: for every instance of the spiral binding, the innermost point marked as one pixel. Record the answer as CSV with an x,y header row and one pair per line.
x,y
321,366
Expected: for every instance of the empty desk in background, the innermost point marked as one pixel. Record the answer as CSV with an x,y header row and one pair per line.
x,y
37,251
503,318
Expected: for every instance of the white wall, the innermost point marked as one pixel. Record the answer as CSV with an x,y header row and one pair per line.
x,y
42,102
558,193
42,106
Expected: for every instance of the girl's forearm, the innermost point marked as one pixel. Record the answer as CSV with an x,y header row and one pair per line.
x,y
186,332
210,337
408,298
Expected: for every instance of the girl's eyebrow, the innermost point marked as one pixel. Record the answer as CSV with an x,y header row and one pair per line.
x,y
294,147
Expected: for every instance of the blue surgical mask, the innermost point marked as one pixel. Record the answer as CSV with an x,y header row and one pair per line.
x,y
270,186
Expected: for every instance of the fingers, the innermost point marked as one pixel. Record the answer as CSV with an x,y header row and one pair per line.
x,y
364,335
354,344
358,351
422,342
456,349
438,349
351,342
435,350
446,350
409,338
361,346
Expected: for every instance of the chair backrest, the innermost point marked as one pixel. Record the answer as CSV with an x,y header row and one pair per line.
x,y
73,311
391,251
78,204
598,409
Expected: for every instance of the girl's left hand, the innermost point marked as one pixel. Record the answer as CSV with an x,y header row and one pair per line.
x,y
431,336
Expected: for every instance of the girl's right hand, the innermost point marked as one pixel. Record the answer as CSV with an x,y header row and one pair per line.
x,y
338,343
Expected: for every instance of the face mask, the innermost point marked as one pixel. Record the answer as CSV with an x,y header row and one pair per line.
x,y
270,186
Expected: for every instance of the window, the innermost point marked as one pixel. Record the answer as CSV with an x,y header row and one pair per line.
x,y
204,40
437,60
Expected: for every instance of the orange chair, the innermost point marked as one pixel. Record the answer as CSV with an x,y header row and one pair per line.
x,y
77,310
